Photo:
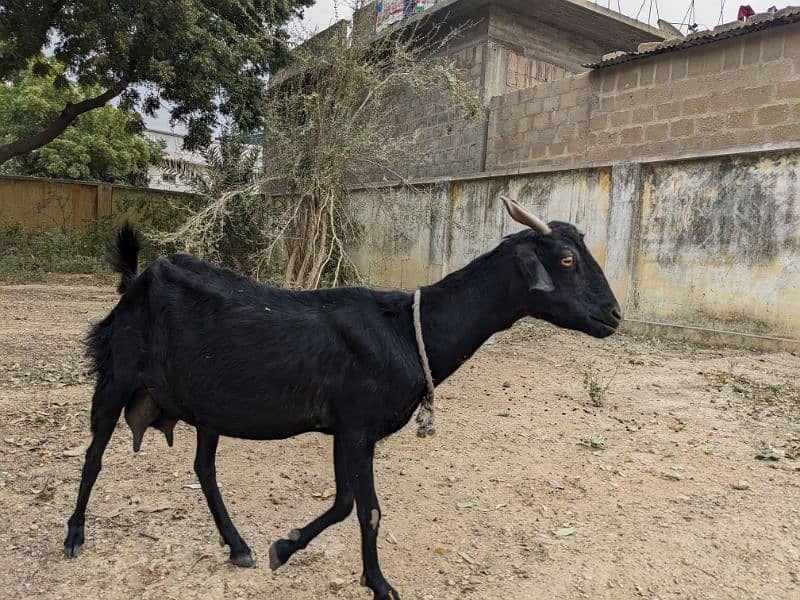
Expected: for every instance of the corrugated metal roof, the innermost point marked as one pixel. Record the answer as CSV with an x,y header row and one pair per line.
x,y
786,16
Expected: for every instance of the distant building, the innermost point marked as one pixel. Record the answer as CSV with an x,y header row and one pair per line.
x,y
158,177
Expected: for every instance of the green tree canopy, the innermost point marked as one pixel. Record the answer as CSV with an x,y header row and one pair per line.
x,y
204,57
103,144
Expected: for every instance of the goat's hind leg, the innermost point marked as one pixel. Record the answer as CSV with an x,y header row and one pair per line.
x,y
359,466
107,405
204,466
281,550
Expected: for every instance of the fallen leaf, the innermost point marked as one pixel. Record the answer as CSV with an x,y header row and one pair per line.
x,y
466,557
390,538
328,492
154,509
193,486
465,504
199,558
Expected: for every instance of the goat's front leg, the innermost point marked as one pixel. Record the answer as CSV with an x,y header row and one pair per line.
x,y
204,466
359,470
281,550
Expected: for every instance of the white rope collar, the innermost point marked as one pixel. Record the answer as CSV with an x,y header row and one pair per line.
x,y
425,414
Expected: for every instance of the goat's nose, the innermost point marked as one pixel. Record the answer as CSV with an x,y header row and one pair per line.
x,y
616,313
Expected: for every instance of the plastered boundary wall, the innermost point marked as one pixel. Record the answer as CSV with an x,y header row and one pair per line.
x,y
705,249
734,95
51,204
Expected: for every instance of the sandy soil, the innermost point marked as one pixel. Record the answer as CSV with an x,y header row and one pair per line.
x,y
505,502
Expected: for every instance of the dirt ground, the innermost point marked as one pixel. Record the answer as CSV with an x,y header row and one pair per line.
x,y
509,500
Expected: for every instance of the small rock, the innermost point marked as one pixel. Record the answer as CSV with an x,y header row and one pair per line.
x,y
674,475
563,532
648,46
337,583
72,452
615,54
594,441
506,384
769,452
741,484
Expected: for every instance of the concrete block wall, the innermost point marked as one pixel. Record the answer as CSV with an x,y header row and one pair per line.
x,y
545,125
730,96
447,143
738,93
523,72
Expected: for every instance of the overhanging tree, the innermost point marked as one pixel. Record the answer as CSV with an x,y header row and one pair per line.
x,y
331,124
104,144
204,57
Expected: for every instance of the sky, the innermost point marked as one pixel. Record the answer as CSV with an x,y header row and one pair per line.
x,y
706,14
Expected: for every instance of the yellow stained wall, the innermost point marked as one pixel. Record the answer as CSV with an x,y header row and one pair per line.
x,y
49,204
711,243
720,245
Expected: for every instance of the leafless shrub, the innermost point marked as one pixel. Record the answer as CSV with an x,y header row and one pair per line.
x,y
331,126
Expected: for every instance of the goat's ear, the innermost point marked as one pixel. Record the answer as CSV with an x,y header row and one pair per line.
x,y
533,270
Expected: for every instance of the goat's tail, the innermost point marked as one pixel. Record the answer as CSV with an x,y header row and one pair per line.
x,y
123,255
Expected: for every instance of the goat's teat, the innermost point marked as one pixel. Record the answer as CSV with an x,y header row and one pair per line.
x,y
142,412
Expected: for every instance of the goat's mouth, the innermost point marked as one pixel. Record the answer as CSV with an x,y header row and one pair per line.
x,y
606,325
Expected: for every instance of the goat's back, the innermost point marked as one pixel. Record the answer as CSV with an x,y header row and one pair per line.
x,y
255,361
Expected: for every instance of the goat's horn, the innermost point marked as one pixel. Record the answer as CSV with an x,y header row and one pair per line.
x,y
522,215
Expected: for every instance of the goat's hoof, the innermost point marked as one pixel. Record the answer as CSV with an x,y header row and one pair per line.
x,y
389,594
279,553
381,590
74,542
244,559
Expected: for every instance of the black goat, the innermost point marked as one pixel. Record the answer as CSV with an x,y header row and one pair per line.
x,y
191,342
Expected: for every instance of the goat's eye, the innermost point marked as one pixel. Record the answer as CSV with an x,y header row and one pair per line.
x,y
567,261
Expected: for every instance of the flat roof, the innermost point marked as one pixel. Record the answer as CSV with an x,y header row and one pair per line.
x,y
610,29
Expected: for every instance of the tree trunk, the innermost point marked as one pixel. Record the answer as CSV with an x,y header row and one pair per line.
x,y
310,244
67,116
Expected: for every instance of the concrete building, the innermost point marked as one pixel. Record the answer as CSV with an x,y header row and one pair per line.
x,y
506,45
158,177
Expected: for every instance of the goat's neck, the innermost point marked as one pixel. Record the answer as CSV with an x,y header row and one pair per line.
x,y
462,311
